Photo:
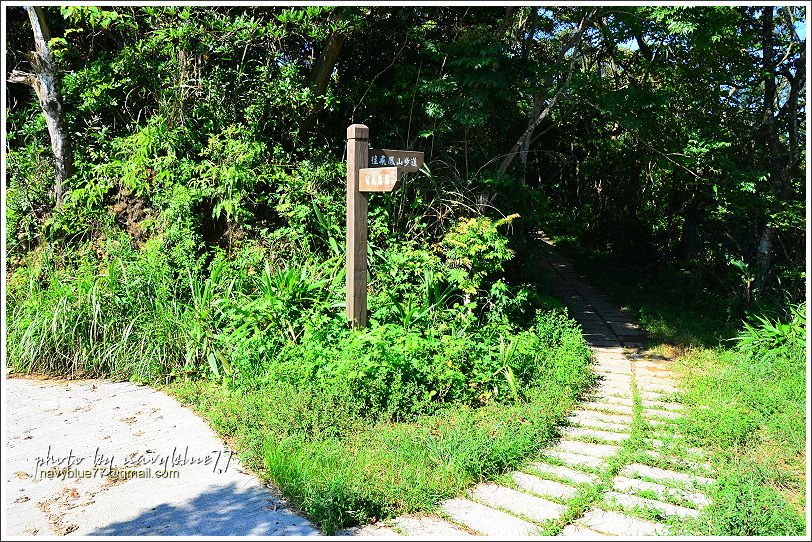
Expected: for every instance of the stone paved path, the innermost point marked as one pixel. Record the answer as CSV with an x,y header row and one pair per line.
x,y
620,467
62,421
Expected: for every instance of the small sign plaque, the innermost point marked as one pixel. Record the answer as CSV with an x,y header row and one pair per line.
x,y
378,179
406,161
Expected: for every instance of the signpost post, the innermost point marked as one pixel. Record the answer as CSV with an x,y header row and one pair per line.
x,y
376,170
357,147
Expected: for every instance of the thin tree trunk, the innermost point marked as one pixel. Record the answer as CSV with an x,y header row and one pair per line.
x,y
46,83
763,258
538,115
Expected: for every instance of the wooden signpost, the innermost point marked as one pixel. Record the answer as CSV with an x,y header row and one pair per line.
x,y
378,179
376,170
408,161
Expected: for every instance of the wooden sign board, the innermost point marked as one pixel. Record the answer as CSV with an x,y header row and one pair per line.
x,y
406,161
378,179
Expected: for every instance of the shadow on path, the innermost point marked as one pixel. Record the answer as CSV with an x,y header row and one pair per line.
x,y
602,322
223,511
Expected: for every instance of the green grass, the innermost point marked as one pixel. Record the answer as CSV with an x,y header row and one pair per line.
x,y
749,409
381,470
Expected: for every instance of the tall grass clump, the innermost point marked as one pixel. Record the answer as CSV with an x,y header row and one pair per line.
x,y
119,320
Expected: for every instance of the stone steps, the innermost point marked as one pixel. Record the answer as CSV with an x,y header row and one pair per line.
x,y
579,432
486,520
634,485
548,488
574,476
576,460
637,470
427,526
618,524
518,503
631,501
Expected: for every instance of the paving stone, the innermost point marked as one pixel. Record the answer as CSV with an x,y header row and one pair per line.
x,y
660,388
586,448
576,432
542,487
654,422
630,501
565,473
660,405
662,414
615,400
369,530
679,462
656,473
616,523
486,520
619,419
580,533
671,442
611,358
576,459
613,365
613,389
597,424
517,502
616,380
655,383
655,379
601,342
652,370
607,407
626,394
653,395
607,376
622,483
611,351
608,370
427,526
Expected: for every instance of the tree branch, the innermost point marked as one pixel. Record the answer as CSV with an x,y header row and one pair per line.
x,y
23,78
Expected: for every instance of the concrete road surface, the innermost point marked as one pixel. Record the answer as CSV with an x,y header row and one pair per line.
x,y
93,457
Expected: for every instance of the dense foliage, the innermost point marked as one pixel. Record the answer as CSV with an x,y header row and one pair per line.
x,y
665,134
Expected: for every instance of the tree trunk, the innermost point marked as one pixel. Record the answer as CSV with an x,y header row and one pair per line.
x,y
320,76
45,82
778,181
763,258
